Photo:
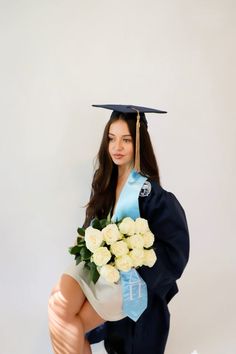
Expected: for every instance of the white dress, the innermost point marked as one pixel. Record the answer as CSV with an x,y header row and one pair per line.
x,y
106,298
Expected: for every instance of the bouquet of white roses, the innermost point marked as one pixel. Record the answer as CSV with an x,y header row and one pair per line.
x,y
107,248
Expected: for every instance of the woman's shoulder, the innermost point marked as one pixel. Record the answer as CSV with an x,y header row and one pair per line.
x,y
152,195
151,188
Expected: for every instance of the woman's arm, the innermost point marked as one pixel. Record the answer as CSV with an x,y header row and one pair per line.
x,y
168,223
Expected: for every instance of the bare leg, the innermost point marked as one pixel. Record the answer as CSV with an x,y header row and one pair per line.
x,y
70,317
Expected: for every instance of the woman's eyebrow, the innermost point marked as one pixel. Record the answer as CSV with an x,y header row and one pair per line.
x,y
122,135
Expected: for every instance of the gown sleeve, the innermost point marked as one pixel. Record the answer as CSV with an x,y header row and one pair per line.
x,y
167,222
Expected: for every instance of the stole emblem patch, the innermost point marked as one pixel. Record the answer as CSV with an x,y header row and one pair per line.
x,y
146,189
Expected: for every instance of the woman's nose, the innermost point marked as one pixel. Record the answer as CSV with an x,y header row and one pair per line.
x,y
118,145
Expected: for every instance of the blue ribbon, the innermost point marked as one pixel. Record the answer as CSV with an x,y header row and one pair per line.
x,y
134,289
134,292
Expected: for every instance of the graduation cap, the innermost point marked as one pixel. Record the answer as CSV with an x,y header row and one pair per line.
x,y
135,112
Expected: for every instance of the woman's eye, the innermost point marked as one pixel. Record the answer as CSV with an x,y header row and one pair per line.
x,y
127,140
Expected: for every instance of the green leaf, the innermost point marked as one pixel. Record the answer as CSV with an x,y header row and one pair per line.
x,y
86,265
74,250
81,231
80,242
93,274
103,223
96,224
85,254
78,259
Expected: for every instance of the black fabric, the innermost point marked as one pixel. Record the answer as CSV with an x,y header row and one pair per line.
x,y
122,108
149,334
129,111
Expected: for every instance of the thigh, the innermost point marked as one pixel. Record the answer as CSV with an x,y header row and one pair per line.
x,y
67,298
89,317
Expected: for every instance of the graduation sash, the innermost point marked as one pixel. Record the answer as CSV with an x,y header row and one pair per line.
x,y
134,289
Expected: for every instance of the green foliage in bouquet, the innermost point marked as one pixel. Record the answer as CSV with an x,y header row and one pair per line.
x,y
82,253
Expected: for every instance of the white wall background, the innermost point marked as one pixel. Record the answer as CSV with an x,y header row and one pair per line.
x,y
57,58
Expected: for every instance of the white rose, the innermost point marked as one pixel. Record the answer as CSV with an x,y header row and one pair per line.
x,y
141,226
101,256
148,238
110,273
93,238
127,226
135,241
111,234
149,258
137,256
119,248
124,263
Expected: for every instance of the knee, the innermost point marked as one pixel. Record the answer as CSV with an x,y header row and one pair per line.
x,y
58,307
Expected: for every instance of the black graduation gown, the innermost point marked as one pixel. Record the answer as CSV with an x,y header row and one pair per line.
x,y
149,334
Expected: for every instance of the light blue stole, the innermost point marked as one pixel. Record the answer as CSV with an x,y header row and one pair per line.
x,y
134,289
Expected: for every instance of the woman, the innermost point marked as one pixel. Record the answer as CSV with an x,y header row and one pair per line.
x,y
75,308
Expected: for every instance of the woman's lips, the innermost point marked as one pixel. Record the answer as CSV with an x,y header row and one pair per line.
x,y
118,156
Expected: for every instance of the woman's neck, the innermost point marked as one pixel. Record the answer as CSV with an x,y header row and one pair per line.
x,y
124,171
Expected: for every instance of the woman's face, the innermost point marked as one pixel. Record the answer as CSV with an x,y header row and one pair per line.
x,y
120,146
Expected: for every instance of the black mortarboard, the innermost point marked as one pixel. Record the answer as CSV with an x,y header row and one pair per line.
x,y
131,111
122,108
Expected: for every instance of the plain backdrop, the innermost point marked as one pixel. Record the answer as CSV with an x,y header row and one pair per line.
x,y
57,59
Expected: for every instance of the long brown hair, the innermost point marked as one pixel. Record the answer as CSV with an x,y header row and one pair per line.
x,y
104,182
